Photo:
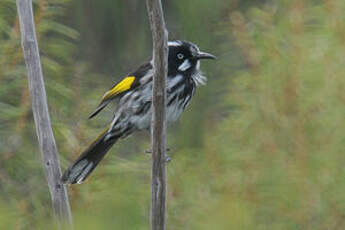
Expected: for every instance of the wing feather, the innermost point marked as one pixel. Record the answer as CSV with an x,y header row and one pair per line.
x,y
126,84
120,87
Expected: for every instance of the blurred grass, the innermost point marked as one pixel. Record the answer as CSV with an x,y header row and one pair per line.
x,y
262,147
283,151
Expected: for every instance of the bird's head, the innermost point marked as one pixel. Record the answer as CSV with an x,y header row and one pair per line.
x,y
184,57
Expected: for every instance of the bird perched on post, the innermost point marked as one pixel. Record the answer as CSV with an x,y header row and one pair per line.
x,y
134,111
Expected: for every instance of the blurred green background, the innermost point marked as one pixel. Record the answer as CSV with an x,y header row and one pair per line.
x,y
260,147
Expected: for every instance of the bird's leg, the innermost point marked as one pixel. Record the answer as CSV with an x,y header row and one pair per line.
x,y
167,157
149,151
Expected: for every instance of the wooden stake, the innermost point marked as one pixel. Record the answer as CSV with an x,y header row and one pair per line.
x,y
160,65
44,132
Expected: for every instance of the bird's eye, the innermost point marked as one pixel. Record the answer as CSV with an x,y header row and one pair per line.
x,y
180,56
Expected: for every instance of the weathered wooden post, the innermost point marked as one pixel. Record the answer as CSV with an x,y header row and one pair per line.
x,y
44,132
160,63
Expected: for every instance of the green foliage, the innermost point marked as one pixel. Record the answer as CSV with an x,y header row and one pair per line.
x,y
261,147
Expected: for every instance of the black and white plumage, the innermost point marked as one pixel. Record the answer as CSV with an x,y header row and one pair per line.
x,y
134,111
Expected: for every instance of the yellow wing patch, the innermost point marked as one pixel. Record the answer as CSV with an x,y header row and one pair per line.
x,y
120,87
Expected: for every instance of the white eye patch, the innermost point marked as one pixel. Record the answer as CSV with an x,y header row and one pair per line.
x,y
185,65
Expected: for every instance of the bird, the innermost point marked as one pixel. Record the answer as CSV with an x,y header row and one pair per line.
x,y
134,109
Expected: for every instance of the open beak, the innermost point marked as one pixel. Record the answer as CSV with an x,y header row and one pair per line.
x,y
204,55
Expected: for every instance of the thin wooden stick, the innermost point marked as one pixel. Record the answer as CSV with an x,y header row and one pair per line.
x,y
160,63
44,132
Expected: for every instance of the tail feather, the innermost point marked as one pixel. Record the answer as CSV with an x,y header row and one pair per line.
x,y
88,160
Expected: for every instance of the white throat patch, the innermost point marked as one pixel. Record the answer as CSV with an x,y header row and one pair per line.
x,y
185,65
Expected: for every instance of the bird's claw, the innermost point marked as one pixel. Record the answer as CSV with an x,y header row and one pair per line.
x,y
149,151
167,157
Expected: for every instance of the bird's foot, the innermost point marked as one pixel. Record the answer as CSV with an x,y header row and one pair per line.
x,y
149,151
167,157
